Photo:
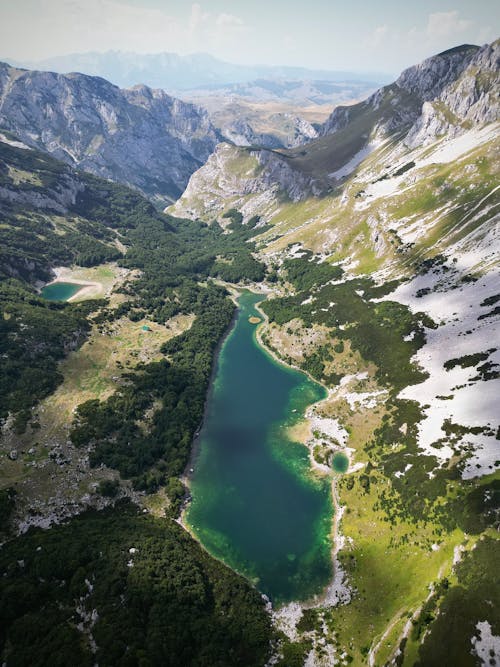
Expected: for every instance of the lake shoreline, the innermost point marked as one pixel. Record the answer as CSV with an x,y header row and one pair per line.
x,y
234,294
195,444
64,274
335,589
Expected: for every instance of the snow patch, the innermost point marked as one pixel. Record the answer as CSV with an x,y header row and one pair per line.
x,y
367,400
11,142
329,427
458,395
350,166
445,151
487,645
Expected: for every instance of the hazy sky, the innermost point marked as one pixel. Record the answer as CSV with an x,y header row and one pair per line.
x,y
384,35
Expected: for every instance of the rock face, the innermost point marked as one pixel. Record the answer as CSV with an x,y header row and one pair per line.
x,y
242,133
138,136
232,173
469,99
428,79
448,97
444,94
297,131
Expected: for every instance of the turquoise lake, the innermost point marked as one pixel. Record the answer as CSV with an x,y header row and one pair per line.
x,y
255,503
60,291
340,462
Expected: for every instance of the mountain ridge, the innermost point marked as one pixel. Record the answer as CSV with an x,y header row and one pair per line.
x,y
395,113
139,136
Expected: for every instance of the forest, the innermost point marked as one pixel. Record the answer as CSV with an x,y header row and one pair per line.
x,y
139,587
116,587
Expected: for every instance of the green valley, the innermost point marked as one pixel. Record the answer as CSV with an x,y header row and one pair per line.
x,y
259,427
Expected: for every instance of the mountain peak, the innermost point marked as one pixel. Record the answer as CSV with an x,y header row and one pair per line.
x,y
140,136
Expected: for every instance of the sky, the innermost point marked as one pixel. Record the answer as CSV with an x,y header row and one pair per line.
x,y
367,35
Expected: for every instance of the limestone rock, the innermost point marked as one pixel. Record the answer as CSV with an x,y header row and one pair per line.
x,y
138,136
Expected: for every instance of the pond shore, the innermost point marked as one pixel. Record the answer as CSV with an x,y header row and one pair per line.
x,y
90,289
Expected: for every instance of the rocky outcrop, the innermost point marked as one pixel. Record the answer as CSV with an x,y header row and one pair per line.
x,y
242,133
58,199
429,78
444,94
139,136
233,173
277,170
303,131
470,99
294,131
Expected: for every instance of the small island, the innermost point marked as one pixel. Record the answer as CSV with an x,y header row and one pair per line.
x,y
254,320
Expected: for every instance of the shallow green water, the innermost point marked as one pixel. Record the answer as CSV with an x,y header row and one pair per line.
x,y
340,462
60,291
255,504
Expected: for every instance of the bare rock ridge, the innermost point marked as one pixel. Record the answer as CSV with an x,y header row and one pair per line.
x,y
241,133
470,99
432,98
447,95
138,136
444,96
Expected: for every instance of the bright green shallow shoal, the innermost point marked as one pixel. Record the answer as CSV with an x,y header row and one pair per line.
x,y
255,502
60,291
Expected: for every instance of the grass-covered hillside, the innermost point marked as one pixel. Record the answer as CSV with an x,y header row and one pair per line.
x,y
387,209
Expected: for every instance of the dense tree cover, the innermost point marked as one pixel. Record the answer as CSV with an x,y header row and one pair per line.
x,y
305,272
32,243
168,602
376,330
180,384
34,235
34,336
7,504
234,215
159,599
173,256
41,170
474,598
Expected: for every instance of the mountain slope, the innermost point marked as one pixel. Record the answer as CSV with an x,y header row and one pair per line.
x,y
140,137
383,241
383,284
373,189
134,364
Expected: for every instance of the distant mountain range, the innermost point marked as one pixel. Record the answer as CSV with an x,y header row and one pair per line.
x,y
174,72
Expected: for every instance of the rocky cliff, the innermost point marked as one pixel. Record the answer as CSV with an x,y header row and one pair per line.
x,y
444,94
470,98
382,187
138,136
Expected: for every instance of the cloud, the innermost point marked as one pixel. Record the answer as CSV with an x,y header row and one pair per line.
x,y
58,27
379,35
485,35
229,20
445,24
197,17
228,32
